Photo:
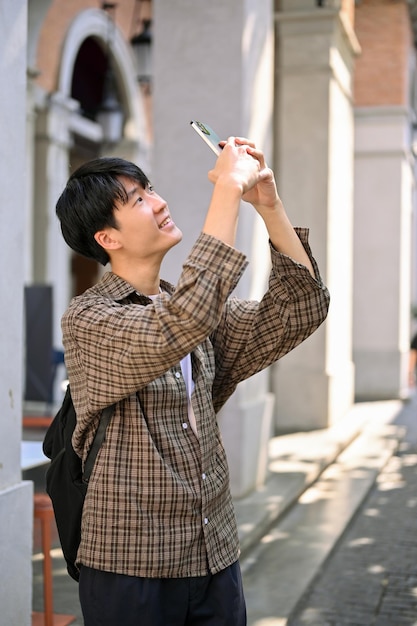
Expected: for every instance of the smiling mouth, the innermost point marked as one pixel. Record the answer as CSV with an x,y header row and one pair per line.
x,y
165,222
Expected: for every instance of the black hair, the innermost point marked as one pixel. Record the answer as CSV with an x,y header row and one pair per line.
x,y
88,201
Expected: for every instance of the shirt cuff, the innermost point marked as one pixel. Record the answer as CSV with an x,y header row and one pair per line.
x,y
211,254
286,265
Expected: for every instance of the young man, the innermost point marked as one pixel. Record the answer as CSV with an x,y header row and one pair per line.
x,y
159,542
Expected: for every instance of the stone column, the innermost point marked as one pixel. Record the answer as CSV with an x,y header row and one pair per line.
x,y
213,63
51,255
16,501
314,160
384,186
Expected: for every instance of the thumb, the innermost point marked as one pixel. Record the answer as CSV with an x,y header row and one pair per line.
x,y
211,176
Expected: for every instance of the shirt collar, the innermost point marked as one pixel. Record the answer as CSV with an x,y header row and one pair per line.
x,y
117,288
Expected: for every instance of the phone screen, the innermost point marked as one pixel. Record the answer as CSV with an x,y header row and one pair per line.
x,y
208,135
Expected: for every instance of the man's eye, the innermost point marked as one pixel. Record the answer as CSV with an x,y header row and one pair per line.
x,y
140,199
150,188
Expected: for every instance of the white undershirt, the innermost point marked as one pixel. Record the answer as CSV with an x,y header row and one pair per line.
x,y
187,373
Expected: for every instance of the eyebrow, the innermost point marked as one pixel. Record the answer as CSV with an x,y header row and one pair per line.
x,y
132,192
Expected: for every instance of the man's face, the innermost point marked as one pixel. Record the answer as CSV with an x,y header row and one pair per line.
x,y
145,229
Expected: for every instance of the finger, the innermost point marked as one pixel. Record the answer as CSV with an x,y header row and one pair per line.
x,y
244,141
228,144
212,176
259,155
266,174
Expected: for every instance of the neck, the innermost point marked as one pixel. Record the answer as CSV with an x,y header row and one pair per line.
x,y
144,279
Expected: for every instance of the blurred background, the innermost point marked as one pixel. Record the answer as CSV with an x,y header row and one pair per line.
x,y
327,88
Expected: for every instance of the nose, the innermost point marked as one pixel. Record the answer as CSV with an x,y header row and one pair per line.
x,y
158,203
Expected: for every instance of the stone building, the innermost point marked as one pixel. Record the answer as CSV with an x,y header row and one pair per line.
x,y
326,87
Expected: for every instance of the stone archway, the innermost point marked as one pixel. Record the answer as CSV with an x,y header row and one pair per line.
x,y
93,23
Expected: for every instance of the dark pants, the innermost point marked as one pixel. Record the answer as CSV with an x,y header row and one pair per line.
x,y
117,600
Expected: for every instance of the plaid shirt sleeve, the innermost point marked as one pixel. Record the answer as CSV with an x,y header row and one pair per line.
x,y
253,335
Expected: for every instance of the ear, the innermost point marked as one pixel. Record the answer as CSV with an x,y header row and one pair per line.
x,y
107,239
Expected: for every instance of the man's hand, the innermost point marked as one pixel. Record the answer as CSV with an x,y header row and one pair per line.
x,y
237,167
264,195
236,173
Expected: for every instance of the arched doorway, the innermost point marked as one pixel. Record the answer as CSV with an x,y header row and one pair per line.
x,y
86,61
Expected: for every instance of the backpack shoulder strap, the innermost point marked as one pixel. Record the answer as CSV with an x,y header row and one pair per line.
x,y
97,441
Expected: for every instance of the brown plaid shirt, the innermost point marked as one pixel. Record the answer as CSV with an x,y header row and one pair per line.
x,y
158,502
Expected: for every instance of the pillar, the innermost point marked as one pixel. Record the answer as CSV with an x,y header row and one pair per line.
x,y
315,49
16,502
384,183
51,255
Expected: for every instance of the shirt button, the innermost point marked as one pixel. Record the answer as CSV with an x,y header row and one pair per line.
x,y
185,426
203,476
177,375
205,520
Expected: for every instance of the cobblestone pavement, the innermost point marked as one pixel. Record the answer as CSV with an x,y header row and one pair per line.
x,y
371,577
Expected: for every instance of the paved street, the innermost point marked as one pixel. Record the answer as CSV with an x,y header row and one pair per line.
x,y
370,578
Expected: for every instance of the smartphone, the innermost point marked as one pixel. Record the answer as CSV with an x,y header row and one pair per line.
x,y
208,135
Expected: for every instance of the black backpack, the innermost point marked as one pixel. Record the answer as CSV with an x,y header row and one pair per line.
x,y
66,484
